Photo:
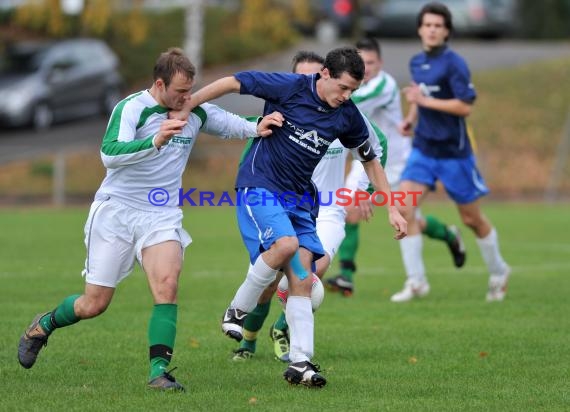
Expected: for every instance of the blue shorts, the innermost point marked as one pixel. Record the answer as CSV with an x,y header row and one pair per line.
x,y
460,177
262,220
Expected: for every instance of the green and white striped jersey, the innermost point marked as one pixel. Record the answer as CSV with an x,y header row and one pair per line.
x,y
379,99
135,166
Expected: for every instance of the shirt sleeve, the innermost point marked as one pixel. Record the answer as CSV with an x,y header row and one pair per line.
x,y
272,87
225,125
119,147
355,130
460,81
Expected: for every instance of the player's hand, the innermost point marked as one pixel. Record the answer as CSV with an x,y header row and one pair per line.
x,y
414,93
168,129
364,205
405,128
398,223
274,119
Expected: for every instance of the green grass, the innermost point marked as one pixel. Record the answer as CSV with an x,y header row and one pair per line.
x,y
449,351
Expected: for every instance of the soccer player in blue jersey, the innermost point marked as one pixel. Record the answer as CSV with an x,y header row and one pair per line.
x,y
379,98
441,96
277,218
329,177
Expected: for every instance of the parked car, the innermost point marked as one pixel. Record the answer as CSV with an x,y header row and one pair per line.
x,y
328,19
46,82
471,18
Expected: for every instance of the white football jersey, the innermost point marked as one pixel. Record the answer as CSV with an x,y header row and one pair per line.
x,y
140,175
379,99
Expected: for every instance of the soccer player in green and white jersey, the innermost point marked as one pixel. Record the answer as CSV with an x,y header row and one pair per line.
x,y
379,98
135,214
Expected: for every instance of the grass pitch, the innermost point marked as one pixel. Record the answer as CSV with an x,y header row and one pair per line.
x,y
448,351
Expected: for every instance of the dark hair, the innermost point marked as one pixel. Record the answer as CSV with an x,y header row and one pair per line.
x,y
345,59
439,9
369,44
171,62
304,56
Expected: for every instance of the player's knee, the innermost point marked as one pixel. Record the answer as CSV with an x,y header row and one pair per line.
x,y
89,307
287,246
471,220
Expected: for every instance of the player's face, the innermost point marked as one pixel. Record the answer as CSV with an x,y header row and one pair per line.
x,y
176,93
372,64
336,91
432,32
308,68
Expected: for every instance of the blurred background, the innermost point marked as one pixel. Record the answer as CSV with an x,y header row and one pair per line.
x,y
65,63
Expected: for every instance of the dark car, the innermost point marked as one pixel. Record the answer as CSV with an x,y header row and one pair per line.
x,y
42,83
471,18
328,19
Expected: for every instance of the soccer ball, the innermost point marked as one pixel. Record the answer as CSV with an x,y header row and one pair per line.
x,y
317,292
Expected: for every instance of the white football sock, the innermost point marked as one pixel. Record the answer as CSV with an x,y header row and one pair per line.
x,y
301,322
489,247
259,276
411,248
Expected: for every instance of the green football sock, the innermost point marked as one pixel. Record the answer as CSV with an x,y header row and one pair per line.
x,y
281,322
347,251
161,337
61,316
436,229
252,325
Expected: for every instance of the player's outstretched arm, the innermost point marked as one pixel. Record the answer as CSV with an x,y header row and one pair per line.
x,y
378,179
212,91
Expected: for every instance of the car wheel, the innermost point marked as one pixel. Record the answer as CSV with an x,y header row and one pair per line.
x,y
42,117
111,97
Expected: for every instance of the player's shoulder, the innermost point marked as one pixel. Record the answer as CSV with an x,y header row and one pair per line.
x,y
134,104
420,56
352,115
454,58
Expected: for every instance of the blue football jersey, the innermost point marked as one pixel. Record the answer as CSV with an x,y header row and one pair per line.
x,y
442,75
284,162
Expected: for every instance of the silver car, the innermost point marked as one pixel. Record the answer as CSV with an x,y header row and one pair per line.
x,y
472,18
43,83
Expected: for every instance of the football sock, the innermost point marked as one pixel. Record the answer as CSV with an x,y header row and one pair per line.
x,y
253,323
411,248
435,229
301,326
281,322
259,276
63,315
161,336
347,251
489,247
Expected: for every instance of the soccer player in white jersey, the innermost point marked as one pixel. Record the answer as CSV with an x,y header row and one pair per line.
x,y
379,98
328,177
135,214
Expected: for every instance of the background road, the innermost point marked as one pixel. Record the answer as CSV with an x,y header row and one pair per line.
x,y
87,133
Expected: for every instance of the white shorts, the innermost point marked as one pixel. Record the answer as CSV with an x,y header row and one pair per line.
x,y
330,228
116,234
393,172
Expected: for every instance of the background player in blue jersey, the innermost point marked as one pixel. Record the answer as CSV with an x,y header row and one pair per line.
x,y
440,97
277,220
379,99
